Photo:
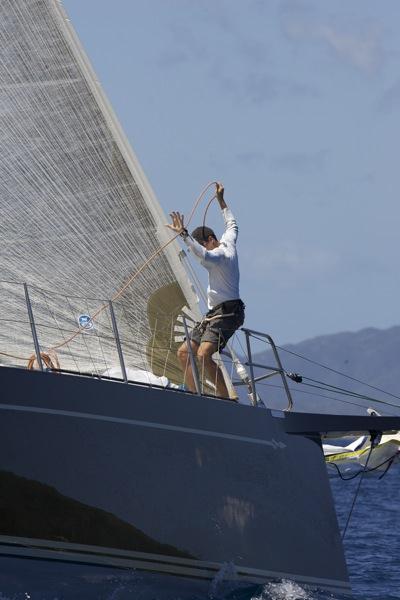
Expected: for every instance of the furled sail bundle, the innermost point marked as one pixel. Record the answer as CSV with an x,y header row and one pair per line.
x,y
358,452
78,217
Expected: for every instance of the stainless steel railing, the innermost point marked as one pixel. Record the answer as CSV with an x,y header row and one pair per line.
x,y
112,338
271,370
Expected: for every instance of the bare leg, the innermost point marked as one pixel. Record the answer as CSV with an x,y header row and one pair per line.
x,y
184,360
212,370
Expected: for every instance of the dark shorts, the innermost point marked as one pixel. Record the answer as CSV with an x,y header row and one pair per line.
x,y
229,316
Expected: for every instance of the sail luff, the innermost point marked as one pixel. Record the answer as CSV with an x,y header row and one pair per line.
x,y
172,251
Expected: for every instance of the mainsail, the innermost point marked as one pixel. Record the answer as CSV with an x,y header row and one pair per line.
x,y
78,216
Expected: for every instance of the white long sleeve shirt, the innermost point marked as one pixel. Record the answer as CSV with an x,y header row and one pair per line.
x,y
221,263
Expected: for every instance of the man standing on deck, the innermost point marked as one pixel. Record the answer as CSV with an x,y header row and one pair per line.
x,y
226,310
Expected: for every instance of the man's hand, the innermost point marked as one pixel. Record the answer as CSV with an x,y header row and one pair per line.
x,y
177,223
220,195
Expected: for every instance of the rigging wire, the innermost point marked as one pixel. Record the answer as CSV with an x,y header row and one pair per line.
x,y
297,391
374,436
389,461
339,389
337,372
329,387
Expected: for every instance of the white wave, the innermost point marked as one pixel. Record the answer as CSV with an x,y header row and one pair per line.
x,y
285,590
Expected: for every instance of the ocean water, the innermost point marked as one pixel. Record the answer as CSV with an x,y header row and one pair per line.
x,y
372,546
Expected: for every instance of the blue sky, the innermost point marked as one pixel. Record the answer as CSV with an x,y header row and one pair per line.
x,y
295,106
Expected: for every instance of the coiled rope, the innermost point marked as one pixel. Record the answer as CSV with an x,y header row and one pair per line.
x,y
50,357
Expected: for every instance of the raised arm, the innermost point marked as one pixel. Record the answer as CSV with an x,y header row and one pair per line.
x,y
231,228
220,196
211,251
177,226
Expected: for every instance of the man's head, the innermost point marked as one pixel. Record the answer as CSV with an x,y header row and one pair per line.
x,y
206,237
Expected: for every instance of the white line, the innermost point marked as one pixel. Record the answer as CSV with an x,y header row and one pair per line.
x,y
153,562
68,413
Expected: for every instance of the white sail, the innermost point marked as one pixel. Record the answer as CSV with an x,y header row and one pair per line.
x,y
78,217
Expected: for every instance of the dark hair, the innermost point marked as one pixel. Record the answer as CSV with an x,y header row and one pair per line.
x,y
201,234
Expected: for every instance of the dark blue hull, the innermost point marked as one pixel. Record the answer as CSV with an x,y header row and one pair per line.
x,y
127,476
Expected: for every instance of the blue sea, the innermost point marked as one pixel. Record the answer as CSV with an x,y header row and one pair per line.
x,y
372,545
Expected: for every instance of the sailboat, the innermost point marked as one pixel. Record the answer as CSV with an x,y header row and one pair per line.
x,y
98,467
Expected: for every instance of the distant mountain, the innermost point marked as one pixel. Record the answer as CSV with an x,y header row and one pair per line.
x,y
370,355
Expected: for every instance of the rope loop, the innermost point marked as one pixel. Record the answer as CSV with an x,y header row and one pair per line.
x,y
49,358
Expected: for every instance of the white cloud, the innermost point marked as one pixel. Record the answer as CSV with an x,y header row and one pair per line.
x,y
242,63
359,45
362,50
289,261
